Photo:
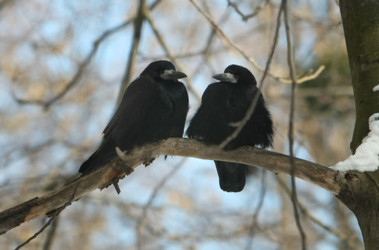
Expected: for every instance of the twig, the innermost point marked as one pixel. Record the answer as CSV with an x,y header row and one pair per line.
x,y
307,76
36,234
51,235
292,72
206,52
312,218
168,52
138,21
229,42
254,221
142,219
224,37
253,14
54,216
82,66
47,104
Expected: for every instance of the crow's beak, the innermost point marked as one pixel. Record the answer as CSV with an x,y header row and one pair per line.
x,y
171,74
226,77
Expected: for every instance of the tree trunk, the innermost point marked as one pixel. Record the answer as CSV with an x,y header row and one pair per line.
x,y
361,26
361,196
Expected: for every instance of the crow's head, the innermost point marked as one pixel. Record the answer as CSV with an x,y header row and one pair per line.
x,y
162,70
236,74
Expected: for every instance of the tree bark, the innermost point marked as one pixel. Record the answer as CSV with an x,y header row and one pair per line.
x,y
361,26
360,21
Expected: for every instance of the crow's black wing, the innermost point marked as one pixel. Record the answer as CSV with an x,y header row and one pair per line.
x,y
134,108
210,123
128,124
180,100
258,131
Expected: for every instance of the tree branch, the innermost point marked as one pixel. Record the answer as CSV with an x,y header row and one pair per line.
x,y
138,21
228,42
46,104
256,11
172,58
322,176
292,71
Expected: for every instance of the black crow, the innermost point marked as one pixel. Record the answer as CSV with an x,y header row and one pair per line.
x,y
224,103
154,107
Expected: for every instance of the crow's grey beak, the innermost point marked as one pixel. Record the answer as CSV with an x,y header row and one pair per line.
x,y
226,77
171,74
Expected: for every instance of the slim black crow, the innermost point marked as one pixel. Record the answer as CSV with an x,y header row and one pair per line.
x,y
224,103
154,107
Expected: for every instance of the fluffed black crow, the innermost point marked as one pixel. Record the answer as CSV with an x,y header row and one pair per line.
x,y
154,107
224,103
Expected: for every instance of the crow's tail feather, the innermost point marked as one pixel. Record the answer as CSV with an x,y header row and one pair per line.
x,y
102,156
232,176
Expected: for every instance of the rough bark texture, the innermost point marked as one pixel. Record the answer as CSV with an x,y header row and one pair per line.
x,y
361,195
361,26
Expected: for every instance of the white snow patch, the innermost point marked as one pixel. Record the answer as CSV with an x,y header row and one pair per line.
x,y
366,157
376,88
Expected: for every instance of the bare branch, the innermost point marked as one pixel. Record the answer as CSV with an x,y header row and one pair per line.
x,y
256,11
168,52
138,21
254,222
36,234
322,176
312,218
51,235
292,71
82,66
142,219
229,42
54,216
310,75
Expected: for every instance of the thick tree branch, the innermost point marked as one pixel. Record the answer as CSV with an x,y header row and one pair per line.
x,y
322,176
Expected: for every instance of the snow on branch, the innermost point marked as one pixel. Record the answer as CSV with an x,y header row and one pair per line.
x,y
366,157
